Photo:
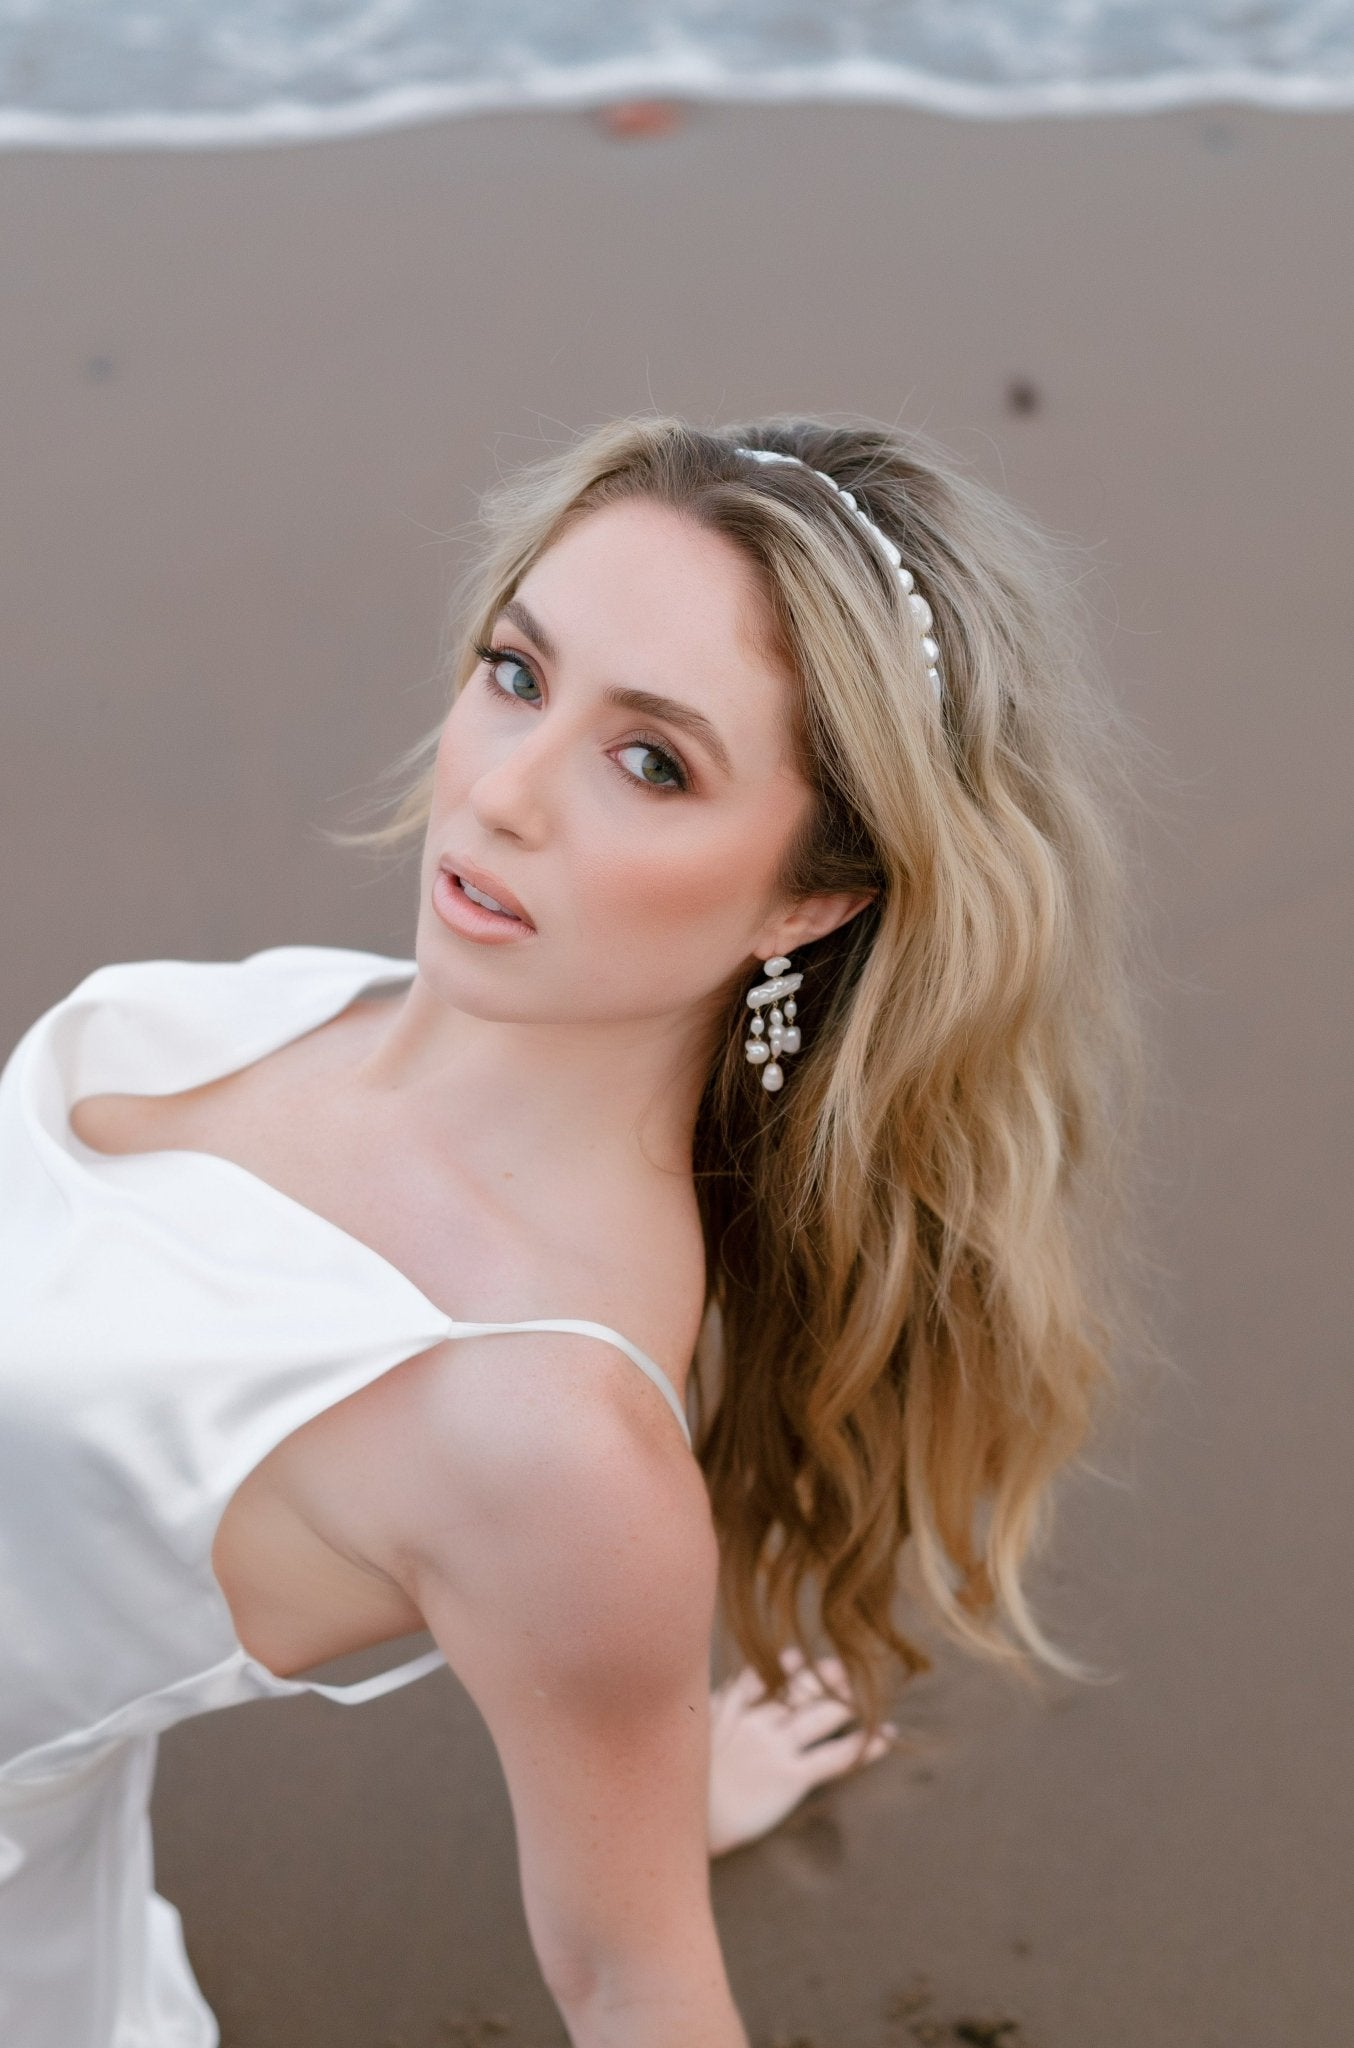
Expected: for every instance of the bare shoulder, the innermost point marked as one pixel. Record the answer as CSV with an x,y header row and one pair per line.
x,y
557,1499
569,1579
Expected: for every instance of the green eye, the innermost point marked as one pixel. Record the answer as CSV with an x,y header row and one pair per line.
x,y
495,658
499,658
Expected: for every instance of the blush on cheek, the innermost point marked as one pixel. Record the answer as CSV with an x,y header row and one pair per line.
x,y
664,905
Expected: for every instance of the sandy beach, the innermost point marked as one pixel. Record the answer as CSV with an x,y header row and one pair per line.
x,y
249,398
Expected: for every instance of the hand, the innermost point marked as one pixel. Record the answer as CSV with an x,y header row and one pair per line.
x,y
761,1764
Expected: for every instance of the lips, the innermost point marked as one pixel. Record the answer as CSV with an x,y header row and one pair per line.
x,y
488,885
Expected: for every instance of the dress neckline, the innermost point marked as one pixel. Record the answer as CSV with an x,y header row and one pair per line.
x,y
367,971
368,976
183,1024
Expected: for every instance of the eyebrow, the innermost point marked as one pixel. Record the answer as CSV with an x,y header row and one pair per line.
x,y
642,701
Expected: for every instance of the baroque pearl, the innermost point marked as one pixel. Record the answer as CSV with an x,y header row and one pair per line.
x,y
756,1051
780,965
789,1039
772,1076
921,611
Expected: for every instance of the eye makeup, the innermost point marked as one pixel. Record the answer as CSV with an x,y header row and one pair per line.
x,y
495,657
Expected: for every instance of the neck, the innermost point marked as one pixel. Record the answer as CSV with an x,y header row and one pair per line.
x,y
616,1100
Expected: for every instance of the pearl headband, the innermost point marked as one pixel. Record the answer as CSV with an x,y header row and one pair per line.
x,y
918,606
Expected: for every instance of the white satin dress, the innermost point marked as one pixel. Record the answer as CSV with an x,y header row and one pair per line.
x,y
166,1318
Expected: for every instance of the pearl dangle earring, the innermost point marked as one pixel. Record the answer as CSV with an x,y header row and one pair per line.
x,y
784,1033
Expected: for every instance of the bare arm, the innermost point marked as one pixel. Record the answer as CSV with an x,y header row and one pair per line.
x,y
568,1572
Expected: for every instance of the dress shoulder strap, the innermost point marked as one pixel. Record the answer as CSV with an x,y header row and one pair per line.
x,y
363,1689
586,1328
354,1694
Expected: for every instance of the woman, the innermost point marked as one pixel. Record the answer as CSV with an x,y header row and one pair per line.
x,y
769,1018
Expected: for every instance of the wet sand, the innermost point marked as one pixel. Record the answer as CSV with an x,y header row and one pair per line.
x,y
248,398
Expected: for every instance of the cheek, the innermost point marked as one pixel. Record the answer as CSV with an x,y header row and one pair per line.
x,y
455,731
442,762
678,895
455,754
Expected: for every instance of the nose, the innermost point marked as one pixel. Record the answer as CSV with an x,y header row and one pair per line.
x,y
512,791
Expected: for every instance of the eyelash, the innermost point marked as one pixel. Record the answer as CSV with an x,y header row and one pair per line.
x,y
491,656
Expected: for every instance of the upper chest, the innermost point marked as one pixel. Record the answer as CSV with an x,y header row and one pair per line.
x,y
302,1542
517,1241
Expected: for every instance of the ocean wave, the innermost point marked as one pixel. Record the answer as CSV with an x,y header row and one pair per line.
x,y
187,73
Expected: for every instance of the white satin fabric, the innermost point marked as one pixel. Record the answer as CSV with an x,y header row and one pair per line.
x,y
166,1318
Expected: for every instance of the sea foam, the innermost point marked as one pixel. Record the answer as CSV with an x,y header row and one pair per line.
x,y
184,73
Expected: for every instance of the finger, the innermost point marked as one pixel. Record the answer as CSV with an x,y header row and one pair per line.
x,y
802,1682
825,1684
844,1752
794,1658
798,1683
805,1672
742,1689
821,1718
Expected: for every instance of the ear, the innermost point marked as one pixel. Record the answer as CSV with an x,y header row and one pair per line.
x,y
812,918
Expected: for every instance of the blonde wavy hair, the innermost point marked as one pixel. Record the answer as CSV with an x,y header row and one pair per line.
x,y
919,1254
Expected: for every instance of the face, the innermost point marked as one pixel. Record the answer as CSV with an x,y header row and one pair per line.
x,y
643,851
